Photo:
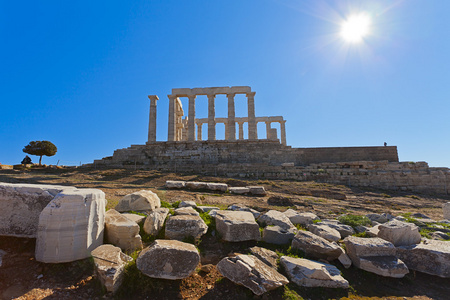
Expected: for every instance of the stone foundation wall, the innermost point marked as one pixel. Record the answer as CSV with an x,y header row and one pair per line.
x,y
186,155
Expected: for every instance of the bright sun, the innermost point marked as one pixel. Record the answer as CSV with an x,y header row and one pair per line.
x,y
355,28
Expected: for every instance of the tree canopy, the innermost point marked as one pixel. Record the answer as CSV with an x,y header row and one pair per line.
x,y
40,148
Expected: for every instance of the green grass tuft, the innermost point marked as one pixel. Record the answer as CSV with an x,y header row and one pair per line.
x,y
354,220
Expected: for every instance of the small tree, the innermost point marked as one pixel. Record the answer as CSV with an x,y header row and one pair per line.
x,y
40,148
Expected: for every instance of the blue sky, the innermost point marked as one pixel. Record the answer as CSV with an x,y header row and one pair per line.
x,y
78,73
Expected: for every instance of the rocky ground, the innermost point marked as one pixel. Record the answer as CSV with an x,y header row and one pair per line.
x,y
22,277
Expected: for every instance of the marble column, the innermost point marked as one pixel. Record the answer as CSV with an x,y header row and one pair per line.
x,y
211,118
283,132
152,118
252,129
268,130
241,130
191,119
172,119
231,126
199,131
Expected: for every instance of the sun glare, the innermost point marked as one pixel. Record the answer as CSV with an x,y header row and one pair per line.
x,y
355,28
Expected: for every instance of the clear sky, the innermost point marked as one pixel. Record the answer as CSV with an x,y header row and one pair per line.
x,y
77,73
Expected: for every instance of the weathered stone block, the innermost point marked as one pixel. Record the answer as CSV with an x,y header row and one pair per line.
x,y
399,233
237,226
184,226
121,231
168,259
139,201
71,226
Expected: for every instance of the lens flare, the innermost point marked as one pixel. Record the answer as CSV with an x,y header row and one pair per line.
x,y
355,28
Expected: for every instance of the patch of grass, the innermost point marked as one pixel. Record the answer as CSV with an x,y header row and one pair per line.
x,y
426,233
386,195
289,294
361,234
166,204
301,227
137,213
209,220
413,197
317,221
354,220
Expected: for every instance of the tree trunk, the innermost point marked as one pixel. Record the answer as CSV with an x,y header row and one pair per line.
x,y
40,159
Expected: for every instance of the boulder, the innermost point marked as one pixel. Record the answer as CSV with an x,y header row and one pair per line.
x,y
71,226
122,232
172,184
221,187
155,221
387,266
185,226
375,255
139,201
328,233
138,219
237,226
399,233
241,207
21,204
373,231
377,218
344,230
109,264
168,259
194,185
431,257
186,211
309,273
267,256
316,246
187,203
278,235
304,218
239,190
446,210
275,218
249,271
257,190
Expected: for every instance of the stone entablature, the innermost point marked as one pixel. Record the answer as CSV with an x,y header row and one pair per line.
x,y
180,129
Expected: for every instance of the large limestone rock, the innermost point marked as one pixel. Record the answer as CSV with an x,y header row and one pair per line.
x,y
185,226
257,190
278,235
139,201
186,211
316,246
110,263
239,190
122,232
275,218
241,207
195,185
21,205
155,221
172,184
431,257
138,219
328,233
303,219
168,259
187,203
375,255
309,273
237,226
399,233
344,230
249,271
267,256
71,226
221,187
446,210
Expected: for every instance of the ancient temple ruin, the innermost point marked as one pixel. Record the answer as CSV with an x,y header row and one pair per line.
x,y
189,150
184,129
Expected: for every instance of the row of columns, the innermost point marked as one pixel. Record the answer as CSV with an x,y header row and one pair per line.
x,y
231,133
175,126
